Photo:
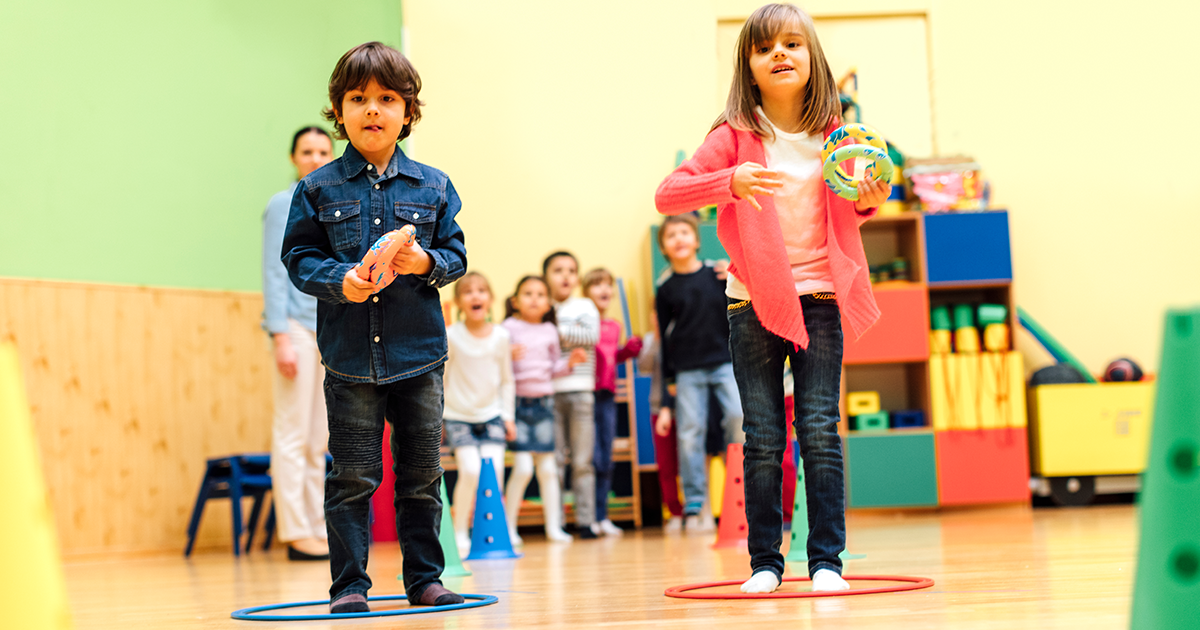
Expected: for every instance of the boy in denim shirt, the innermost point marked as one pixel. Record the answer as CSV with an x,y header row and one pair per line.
x,y
383,353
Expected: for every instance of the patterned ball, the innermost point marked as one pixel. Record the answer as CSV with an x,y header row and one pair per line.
x,y
1122,370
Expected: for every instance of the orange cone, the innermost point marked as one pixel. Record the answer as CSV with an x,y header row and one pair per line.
x,y
733,531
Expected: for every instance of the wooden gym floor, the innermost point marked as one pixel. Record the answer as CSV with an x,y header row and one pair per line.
x,y
995,568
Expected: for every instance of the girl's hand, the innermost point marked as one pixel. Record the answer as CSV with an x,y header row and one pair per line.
x,y
578,355
871,194
662,426
285,355
510,430
518,351
411,259
752,179
354,288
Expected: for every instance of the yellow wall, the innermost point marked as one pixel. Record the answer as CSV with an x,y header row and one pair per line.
x,y
557,121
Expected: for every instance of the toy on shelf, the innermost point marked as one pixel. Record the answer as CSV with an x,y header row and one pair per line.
x,y
877,421
966,337
939,336
1122,370
858,403
908,418
873,148
948,184
896,269
994,318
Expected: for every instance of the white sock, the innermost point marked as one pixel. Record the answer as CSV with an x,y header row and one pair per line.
x,y
828,580
761,582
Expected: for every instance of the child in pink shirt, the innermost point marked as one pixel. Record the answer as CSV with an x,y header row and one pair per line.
x,y
536,362
598,286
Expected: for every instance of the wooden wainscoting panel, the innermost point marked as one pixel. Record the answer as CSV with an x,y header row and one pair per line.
x,y
131,389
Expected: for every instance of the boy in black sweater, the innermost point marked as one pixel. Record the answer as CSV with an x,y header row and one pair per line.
x,y
690,304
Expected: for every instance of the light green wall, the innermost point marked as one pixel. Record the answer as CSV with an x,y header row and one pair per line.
x,y
142,139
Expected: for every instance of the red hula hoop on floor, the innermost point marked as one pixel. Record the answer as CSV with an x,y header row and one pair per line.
x,y
909,584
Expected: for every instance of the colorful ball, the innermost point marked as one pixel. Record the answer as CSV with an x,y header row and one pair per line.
x,y
1122,370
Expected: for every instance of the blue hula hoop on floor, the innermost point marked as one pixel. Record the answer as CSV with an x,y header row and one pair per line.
x,y
251,614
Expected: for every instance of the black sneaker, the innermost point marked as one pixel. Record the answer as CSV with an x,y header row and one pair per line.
x,y
588,533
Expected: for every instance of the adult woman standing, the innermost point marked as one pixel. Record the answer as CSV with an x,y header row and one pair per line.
x,y
300,429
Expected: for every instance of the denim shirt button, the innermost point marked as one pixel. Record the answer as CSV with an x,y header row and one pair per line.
x,y
376,221
375,299
376,186
376,338
337,213
369,167
416,216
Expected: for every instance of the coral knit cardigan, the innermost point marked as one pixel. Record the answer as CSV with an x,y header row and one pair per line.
x,y
754,240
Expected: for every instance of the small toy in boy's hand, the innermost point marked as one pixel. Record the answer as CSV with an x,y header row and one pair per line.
x,y
873,149
376,265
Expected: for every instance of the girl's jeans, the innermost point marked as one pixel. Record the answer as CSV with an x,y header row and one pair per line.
x,y
758,364
606,434
356,416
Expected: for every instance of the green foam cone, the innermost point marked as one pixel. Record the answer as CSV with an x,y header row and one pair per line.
x,y
454,565
798,550
1167,586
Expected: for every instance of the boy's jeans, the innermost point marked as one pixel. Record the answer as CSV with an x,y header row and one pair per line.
x,y
691,410
758,363
356,416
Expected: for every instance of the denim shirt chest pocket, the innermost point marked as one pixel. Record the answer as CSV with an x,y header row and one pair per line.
x,y
341,222
422,217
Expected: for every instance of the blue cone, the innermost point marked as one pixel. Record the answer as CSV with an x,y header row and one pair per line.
x,y
489,536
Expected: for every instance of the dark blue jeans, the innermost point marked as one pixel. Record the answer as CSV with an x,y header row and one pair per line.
x,y
758,366
356,416
606,433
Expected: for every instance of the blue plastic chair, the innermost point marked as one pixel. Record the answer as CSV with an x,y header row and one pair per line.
x,y
235,477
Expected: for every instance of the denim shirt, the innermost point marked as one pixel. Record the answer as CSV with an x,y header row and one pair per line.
x,y
337,212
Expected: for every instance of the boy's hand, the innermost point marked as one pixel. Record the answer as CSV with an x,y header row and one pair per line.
x,y
578,355
662,426
411,259
871,194
752,179
354,288
518,351
721,268
510,430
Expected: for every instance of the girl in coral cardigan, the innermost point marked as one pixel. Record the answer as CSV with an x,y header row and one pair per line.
x,y
797,270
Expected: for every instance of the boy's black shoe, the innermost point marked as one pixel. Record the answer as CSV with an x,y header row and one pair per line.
x,y
352,603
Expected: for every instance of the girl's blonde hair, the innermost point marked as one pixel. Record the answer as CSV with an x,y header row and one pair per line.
x,y
461,284
596,276
821,103
467,279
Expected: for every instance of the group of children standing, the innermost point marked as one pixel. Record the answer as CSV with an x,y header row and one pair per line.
x,y
543,381
797,270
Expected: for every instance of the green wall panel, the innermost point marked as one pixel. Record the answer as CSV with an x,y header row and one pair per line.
x,y
144,138
710,248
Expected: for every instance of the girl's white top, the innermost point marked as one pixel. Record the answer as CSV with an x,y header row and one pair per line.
x,y
478,381
800,204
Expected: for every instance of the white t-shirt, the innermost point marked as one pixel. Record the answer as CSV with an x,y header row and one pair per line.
x,y
800,204
578,327
478,382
